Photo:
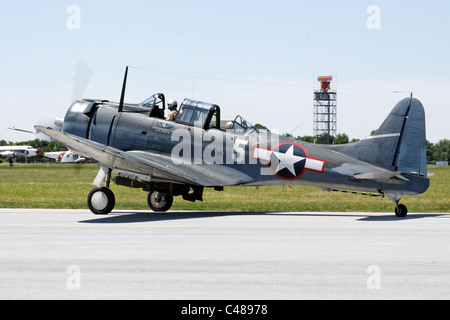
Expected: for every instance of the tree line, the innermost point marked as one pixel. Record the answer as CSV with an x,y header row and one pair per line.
x,y
46,146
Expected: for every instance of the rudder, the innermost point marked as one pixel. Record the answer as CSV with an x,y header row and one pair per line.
x,y
411,152
400,142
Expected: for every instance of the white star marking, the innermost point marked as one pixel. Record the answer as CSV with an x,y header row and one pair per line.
x,y
287,160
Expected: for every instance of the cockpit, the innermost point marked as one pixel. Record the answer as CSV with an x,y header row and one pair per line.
x,y
241,125
98,119
199,114
155,105
191,112
207,116
196,114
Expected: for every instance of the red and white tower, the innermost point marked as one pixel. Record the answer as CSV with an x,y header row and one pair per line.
x,y
325,112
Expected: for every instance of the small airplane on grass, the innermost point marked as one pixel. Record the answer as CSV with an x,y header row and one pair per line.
x,y
166,158
12,152
65,157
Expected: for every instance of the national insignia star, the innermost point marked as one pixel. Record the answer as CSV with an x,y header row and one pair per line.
x,y
287,160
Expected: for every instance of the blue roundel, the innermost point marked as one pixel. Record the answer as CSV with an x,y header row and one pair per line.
x,y
288,161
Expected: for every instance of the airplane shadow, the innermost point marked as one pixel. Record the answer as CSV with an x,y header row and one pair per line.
x,y
410,216
133,217
124,217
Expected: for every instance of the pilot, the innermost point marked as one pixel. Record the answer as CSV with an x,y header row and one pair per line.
x,y
173,105
229,125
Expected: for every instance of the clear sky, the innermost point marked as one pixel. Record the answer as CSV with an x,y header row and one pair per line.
x,y
259,58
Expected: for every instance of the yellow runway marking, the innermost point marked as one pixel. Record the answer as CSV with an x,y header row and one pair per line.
x,y
86,226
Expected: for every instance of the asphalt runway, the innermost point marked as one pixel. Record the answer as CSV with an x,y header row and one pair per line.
x,y
73,254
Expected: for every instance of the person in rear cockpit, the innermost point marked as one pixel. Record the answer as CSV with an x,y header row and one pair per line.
x,y
173,105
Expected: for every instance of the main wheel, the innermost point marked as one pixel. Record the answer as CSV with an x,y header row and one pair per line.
x,y
101,201
159,202
401,211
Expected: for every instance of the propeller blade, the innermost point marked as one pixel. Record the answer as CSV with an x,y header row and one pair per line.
x,y
83,74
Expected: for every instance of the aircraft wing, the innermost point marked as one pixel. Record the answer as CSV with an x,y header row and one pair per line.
x,y
6,154
53,155
158,167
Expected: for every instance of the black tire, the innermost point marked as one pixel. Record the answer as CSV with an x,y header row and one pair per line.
x,y
401,211
101,201
159,202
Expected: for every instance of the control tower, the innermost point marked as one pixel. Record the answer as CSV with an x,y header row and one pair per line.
x,y
325,112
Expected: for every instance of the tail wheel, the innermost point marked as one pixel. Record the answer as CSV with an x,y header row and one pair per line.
x,y
401,211
159,202
101,201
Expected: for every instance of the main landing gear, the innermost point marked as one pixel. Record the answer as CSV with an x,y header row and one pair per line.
x,y
159,202
101,200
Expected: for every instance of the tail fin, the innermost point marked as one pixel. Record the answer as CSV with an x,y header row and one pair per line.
x,y
42,153
399,144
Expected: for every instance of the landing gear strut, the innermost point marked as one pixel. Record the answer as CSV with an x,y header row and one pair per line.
x,y
101,200
401,210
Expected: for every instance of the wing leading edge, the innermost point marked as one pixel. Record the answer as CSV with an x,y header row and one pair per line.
x,y
158,167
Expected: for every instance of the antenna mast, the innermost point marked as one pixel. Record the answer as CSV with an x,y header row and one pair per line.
x,y
124,87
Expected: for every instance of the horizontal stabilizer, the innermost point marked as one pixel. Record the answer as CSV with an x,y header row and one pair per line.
x,y
368,172
381,176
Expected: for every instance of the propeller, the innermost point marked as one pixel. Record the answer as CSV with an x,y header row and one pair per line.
x,y
83,75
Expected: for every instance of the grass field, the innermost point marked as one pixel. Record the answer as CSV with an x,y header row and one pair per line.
x,y
67,186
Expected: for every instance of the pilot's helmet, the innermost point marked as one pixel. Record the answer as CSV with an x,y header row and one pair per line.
x,y
172,104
